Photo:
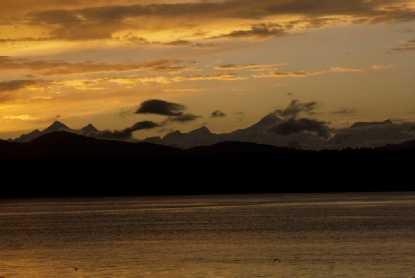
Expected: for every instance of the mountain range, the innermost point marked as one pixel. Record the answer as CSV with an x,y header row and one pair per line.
x,y
359,135
89,131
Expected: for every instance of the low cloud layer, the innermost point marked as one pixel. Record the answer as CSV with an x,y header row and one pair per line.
x,y
295,108
260,31
128,132
292,126
184,118
292,123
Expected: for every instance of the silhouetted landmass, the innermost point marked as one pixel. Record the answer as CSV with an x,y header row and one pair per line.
x,y
66,164
281,128
69,146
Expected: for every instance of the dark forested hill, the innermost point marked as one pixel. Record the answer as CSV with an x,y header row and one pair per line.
x,y
65,164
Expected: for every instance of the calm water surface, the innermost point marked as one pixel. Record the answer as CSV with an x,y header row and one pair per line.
x,y
346,235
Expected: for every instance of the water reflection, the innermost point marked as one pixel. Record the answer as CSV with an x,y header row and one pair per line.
x,y
348,235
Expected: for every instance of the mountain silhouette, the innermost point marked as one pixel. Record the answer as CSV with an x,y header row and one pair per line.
x,y
267,122
67,164
89,130
60,141
56,126
258,133
29,137
198,137
359,135
66,145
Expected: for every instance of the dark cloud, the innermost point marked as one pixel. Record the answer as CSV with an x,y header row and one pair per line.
x,y
295,108
371,124
175,112
59,67
217,114
184,118
24,39
128,132
182,43
143,125
161,107
8,87
344,111
260,31
179,43
293,126
14,85
248,67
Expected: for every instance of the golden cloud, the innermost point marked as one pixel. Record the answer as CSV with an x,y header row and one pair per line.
x,y
60,68
89,20
302,74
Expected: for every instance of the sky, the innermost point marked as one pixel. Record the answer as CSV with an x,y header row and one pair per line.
x,y
229,62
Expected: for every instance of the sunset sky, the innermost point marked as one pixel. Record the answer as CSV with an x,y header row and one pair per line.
x,y
96,61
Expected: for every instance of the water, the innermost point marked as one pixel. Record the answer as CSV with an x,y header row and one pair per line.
x,y
347,235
